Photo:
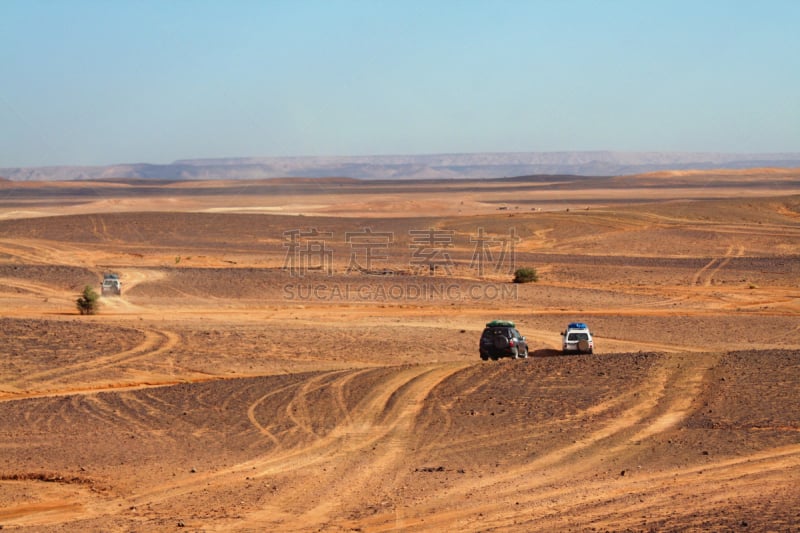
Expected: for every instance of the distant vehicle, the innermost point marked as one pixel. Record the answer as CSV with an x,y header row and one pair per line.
x,y
111,285
577,338
500,338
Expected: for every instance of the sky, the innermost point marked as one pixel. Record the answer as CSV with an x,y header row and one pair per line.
x,y
101,82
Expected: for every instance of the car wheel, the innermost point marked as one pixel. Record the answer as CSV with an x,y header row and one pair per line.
x,y
525,354
484,356
515,353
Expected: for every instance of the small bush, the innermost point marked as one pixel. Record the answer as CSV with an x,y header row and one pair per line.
x,y
87,302
525,275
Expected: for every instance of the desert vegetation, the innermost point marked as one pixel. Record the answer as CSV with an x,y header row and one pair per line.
x,y
526,275
88,302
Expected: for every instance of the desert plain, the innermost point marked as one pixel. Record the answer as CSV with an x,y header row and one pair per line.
x,y
302,354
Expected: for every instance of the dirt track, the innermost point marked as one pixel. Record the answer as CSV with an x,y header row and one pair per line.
x,y
212,396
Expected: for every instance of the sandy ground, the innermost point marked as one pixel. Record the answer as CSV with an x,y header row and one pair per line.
x,y
245,383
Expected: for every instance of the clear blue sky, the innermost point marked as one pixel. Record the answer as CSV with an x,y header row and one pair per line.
x,y
114,81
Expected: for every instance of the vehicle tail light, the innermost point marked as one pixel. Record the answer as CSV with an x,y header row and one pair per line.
x,y
511,343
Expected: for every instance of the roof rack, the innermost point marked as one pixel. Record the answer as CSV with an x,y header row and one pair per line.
x,y
577,325
503,323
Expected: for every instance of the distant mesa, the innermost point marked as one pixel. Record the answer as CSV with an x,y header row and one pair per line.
x,y
407,167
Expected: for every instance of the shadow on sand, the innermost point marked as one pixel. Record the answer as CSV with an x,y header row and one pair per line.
x,y
548,352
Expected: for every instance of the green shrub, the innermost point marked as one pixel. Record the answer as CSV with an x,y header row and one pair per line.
x,y
525,275
88,302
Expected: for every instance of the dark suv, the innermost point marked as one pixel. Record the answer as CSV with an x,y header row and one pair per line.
x,y
500,338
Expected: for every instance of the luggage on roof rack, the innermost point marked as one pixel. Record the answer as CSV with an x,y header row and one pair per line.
x,y
496,323
577,325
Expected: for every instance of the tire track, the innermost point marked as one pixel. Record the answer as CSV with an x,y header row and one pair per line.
x,y
658,404
155,343
705,275
619,503
297,410
724,262
38,289
251,413
446,442
383,420
44,252
697,279
364,453
612,507
54,504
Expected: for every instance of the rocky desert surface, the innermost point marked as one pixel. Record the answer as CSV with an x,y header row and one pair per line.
x,y
302,354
